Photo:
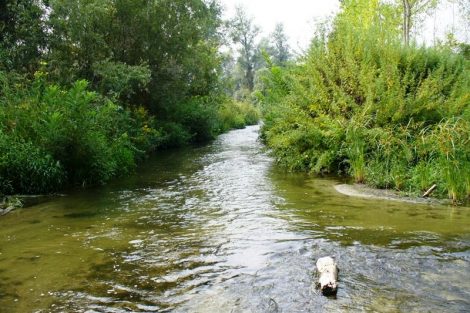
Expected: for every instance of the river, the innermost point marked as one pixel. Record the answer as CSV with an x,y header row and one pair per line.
x,y
220,228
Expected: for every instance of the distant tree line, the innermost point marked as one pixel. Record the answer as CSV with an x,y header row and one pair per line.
x,y
253,52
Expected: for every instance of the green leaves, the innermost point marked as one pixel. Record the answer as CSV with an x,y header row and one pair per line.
x,y
22,35
362,104
26,168
119,80
51,136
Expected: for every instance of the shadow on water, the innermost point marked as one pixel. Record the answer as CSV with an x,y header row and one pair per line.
x,y
220,229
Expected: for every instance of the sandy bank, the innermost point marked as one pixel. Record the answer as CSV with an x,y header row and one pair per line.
x,y
362,191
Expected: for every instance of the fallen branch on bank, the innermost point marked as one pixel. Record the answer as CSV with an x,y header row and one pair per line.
x,y
429,191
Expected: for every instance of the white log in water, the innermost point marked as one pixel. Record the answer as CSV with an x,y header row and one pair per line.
x,y
328,270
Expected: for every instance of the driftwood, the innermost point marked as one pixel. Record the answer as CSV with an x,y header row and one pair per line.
x,y
6,210
430,190
8,204
328,281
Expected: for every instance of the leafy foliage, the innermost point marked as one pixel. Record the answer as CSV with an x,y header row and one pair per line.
x,y
87,88
22,35
236,115
244,32
51,136
364,105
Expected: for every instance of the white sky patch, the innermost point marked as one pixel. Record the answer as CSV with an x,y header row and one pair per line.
x,y
299,18
446,19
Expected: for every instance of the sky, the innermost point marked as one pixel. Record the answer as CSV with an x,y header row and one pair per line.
x,y
299,16
447,18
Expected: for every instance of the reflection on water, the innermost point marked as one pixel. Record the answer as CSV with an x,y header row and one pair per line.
x,y
220,229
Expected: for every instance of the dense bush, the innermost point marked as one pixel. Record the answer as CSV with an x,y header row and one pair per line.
x,y
233,114
203,118
86,89
362,104
197,116
50,136
26,167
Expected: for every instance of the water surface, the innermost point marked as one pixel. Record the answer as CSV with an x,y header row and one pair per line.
x,y
221,229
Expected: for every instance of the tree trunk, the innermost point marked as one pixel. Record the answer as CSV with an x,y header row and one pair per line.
x,y
406,22
250,77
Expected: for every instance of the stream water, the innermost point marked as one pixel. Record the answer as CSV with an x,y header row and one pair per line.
x,y
221,229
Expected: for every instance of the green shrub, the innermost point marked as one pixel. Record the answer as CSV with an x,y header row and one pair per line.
x,y
361,103
250,113
120,80
26,168
198,116
175,135
232,114
58,136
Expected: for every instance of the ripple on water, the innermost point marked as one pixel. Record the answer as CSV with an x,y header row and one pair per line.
x,y
219,229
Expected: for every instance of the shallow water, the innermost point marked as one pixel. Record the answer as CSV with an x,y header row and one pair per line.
x,y
221,229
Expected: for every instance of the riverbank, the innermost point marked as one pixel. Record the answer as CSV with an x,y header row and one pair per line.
x,y
8,204
68,148
363,191
382,116
11,203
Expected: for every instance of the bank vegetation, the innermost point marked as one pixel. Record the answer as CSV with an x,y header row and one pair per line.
x,y
89,88
365,104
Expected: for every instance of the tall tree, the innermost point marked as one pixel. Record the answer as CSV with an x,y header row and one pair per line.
x,y
243,32
412,9
22,34
168,47
281,53
464,8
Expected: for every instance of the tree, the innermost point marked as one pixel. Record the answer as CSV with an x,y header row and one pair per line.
x,y
412,9
79,38
464,6
281,53
243,32
107,41
22,34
